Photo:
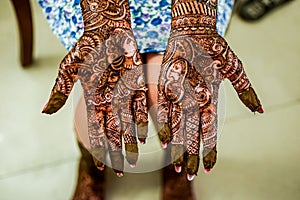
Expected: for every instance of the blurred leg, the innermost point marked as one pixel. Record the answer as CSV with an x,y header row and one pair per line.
x,y
90,181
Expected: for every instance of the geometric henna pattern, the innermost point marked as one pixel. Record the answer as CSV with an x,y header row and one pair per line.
x,y
107,63
197,59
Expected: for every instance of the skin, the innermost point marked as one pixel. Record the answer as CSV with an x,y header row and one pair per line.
x,y
109,67
197,59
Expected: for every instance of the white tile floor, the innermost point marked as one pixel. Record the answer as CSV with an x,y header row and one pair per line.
x,y
258,154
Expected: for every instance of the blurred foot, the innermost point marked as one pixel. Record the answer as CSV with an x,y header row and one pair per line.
x,y
252,10
176,186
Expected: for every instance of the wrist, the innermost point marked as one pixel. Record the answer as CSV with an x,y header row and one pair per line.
x,y
107,14
193,14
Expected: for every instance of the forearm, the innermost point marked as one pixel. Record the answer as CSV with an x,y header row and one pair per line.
x,y
105,14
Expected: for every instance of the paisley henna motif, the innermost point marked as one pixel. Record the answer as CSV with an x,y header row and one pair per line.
x,y
109,67
197,59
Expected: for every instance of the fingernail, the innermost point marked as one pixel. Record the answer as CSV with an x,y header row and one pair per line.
x,y
132,165
164,145
178,169
45,106
142,141
190,177
206,171
120,174
101,168
260,110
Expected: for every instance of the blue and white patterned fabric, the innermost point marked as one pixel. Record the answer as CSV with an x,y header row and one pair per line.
x,y
224,15
151,21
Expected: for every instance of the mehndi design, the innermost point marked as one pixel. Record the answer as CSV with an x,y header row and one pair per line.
x,y
197,59
109,67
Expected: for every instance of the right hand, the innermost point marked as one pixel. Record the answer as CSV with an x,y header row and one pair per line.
x,y
197,59
107,63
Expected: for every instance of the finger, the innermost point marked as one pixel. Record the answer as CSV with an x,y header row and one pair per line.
x,y
177,136
164,131
126,112
96,131
171,88
63,84
117,161
141,115
99,156
133,80
192,166
192,132
177,156
234,71
142,131
209,158
113,133
129,135
209,135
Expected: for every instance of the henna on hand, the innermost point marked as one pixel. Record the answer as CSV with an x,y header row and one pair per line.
x,y
197,59
109,67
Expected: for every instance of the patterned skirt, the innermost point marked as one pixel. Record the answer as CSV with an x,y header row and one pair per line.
x,y
151,21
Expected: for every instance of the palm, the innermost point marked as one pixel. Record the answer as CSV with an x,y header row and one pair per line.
x,y
192,70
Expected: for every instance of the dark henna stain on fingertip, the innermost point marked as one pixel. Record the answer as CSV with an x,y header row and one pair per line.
x,y
192,164
165,134
250,99
209,158
117,161
131,153
142,131
177,154
56,101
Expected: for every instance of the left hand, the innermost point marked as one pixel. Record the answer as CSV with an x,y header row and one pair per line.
x,y
107,63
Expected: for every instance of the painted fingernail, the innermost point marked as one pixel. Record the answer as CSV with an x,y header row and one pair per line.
x,y
260,110
132,165
101,168
190,177
164,145
206,171
178,169
120,174
142,141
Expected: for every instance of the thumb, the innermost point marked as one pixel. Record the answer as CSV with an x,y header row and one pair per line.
x,y
63,86
234,71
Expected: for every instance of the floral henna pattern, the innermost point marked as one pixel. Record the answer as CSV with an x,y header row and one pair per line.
x,y
197,59
109,67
